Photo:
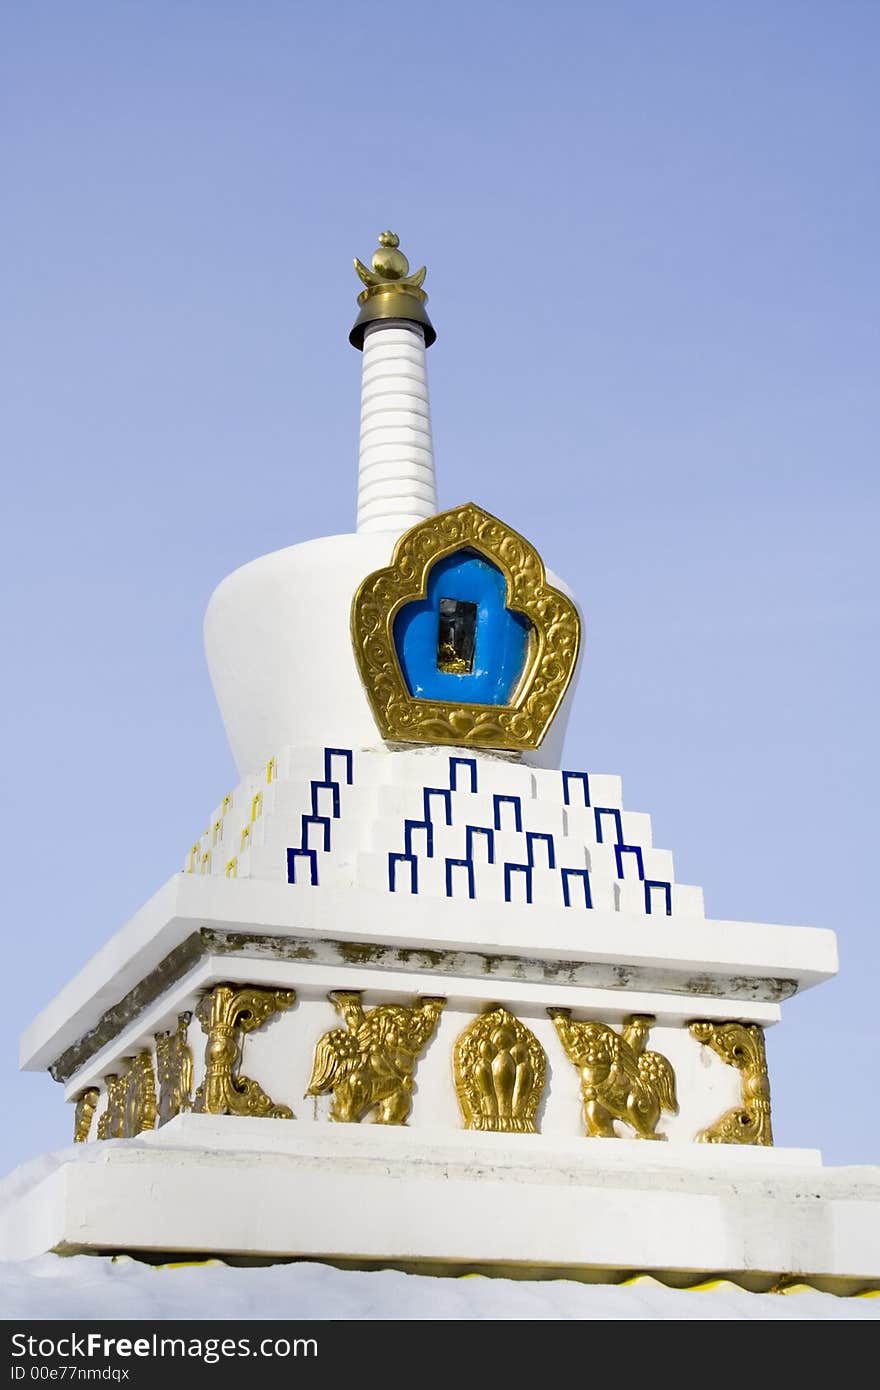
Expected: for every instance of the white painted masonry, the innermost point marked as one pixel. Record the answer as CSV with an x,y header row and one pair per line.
x,y
278,643
707,949
370,1192
449,824
396,485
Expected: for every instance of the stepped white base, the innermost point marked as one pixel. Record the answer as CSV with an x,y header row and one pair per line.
x,y
369,1193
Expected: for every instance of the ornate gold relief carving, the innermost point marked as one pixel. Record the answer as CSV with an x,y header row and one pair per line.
x,y
226,1014
85,1110
110,1124
370,1062
174,1064
551,658
139,1106
740,1045
499,1069
131,1099
619,1079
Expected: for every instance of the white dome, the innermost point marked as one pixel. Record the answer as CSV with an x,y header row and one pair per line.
x,y
278,643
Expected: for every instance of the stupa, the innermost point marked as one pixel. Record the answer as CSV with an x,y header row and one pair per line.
x,y
423,994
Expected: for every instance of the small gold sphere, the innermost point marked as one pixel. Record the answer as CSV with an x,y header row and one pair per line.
x,y
388,262
388,239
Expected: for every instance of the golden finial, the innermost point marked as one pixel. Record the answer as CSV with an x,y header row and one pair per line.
x,y
391,292
389,264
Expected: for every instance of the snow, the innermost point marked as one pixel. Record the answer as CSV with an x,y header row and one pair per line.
x,y
90,1286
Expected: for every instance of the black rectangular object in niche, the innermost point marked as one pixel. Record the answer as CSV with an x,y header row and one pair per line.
x,y
456,636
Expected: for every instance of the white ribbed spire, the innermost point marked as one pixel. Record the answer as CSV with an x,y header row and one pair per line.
x,y
396,486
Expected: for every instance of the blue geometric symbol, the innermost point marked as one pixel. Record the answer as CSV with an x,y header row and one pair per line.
x,y
468,590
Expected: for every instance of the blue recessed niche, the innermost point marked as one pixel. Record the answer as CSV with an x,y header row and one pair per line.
x,y
461,642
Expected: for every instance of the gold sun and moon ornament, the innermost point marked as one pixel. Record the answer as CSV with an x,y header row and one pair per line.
x,y
391,292
520,721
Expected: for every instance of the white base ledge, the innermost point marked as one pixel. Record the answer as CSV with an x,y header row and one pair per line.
x,y
678,957
367,1193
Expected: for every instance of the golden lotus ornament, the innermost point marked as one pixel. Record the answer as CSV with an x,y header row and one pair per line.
x,y
500,1069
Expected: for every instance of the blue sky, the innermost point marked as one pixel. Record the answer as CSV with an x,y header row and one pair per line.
x,y
651,233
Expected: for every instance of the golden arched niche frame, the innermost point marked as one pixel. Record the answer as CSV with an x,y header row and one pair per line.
x,y
553,647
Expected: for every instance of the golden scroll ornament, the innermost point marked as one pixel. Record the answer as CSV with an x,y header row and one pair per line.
x,y
550,660
499,1068
174,1064
619,1079
370,1063
85,1110
740,1045
226,1014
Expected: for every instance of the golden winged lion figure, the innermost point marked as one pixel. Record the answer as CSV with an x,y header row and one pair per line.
x,y
619,1079
370,1062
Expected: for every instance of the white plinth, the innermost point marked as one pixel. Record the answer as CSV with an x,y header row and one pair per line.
x,y
365,1192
